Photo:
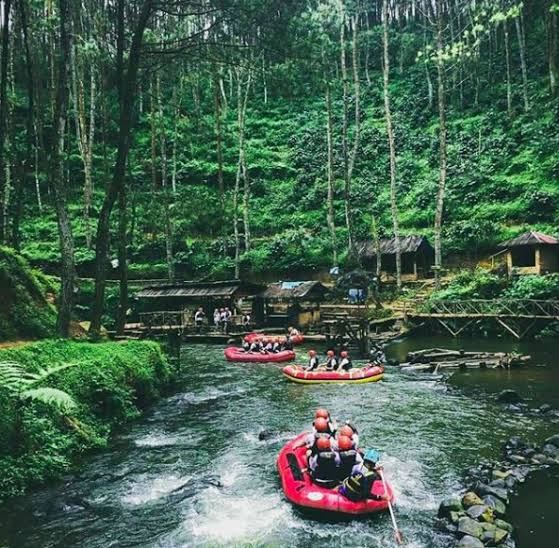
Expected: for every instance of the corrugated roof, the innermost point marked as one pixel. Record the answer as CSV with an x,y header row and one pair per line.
x,y
191,289
408,244
294,290
530,238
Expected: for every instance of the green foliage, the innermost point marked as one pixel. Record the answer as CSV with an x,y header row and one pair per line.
x,y
473,284
534,287
45,435
24,311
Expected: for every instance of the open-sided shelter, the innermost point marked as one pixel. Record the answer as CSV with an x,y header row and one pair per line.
x,y
530,253
293,303
416,251
186,297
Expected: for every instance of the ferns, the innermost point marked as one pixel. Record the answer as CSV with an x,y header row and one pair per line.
x,y
50,396
22,384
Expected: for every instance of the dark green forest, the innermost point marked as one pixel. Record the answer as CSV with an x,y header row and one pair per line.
x,y
262,138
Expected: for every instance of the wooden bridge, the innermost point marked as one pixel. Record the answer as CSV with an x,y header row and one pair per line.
x,y
519,317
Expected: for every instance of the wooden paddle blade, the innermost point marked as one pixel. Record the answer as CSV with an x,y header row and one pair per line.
x,y
399,537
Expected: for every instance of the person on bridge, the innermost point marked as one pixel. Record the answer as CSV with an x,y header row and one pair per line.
x,y
199,318
357,486
345,362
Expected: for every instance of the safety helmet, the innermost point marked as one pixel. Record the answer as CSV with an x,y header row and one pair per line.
x,y
346,430
321,413
323,444
312,353
344,443
343,354
330,353
371,455
321,425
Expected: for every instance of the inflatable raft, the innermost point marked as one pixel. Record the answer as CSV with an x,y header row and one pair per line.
x,y
296,373
301,491
251,337
234,354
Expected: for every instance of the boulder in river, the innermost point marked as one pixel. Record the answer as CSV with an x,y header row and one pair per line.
x,y
481,512
483,489
451,504
502,524
509,396
553,440
469,542
469,526
499,507
550,450
471,499
265,435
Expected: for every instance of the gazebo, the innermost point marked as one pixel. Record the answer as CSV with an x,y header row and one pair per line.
x,y
530,253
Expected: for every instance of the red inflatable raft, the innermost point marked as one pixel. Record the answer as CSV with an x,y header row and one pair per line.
x,y
252,337
371,373
300,490
234,354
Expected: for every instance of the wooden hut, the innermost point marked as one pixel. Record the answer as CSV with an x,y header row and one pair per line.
x,y
293,303
175,303
529,253
417,257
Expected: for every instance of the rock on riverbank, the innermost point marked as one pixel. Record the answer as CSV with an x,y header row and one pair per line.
x,y
476,517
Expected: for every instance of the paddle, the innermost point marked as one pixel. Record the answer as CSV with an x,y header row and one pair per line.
x,y
397,533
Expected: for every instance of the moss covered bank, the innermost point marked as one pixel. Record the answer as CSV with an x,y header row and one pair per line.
x,y
111,383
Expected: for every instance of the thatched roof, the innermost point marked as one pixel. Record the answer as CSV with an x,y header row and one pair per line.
x,y
295,290
408,244
222,289
530,238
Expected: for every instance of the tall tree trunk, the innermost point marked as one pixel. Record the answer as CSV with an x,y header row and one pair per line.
x,y
330,171
165,187
507,61
522,48
391,145
4,112
357,92
219,157
67,271
345,156
553,50
26,174
376,244
242,100
122,213
442,147
127,104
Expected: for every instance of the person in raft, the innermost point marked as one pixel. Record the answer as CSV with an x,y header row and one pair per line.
x,y
292,332
256,346
345,362
245,346
357,486
276,346
268,346
324,464
314,362
331,361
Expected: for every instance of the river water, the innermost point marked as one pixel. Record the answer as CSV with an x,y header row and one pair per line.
x,y
193,472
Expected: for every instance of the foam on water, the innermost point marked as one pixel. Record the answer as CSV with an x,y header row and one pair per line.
x,y
145,489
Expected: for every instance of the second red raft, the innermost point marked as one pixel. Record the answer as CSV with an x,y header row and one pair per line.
x,y
234,354
252,337
372,373
300,490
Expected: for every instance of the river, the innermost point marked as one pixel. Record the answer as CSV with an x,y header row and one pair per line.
x,y
193,472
